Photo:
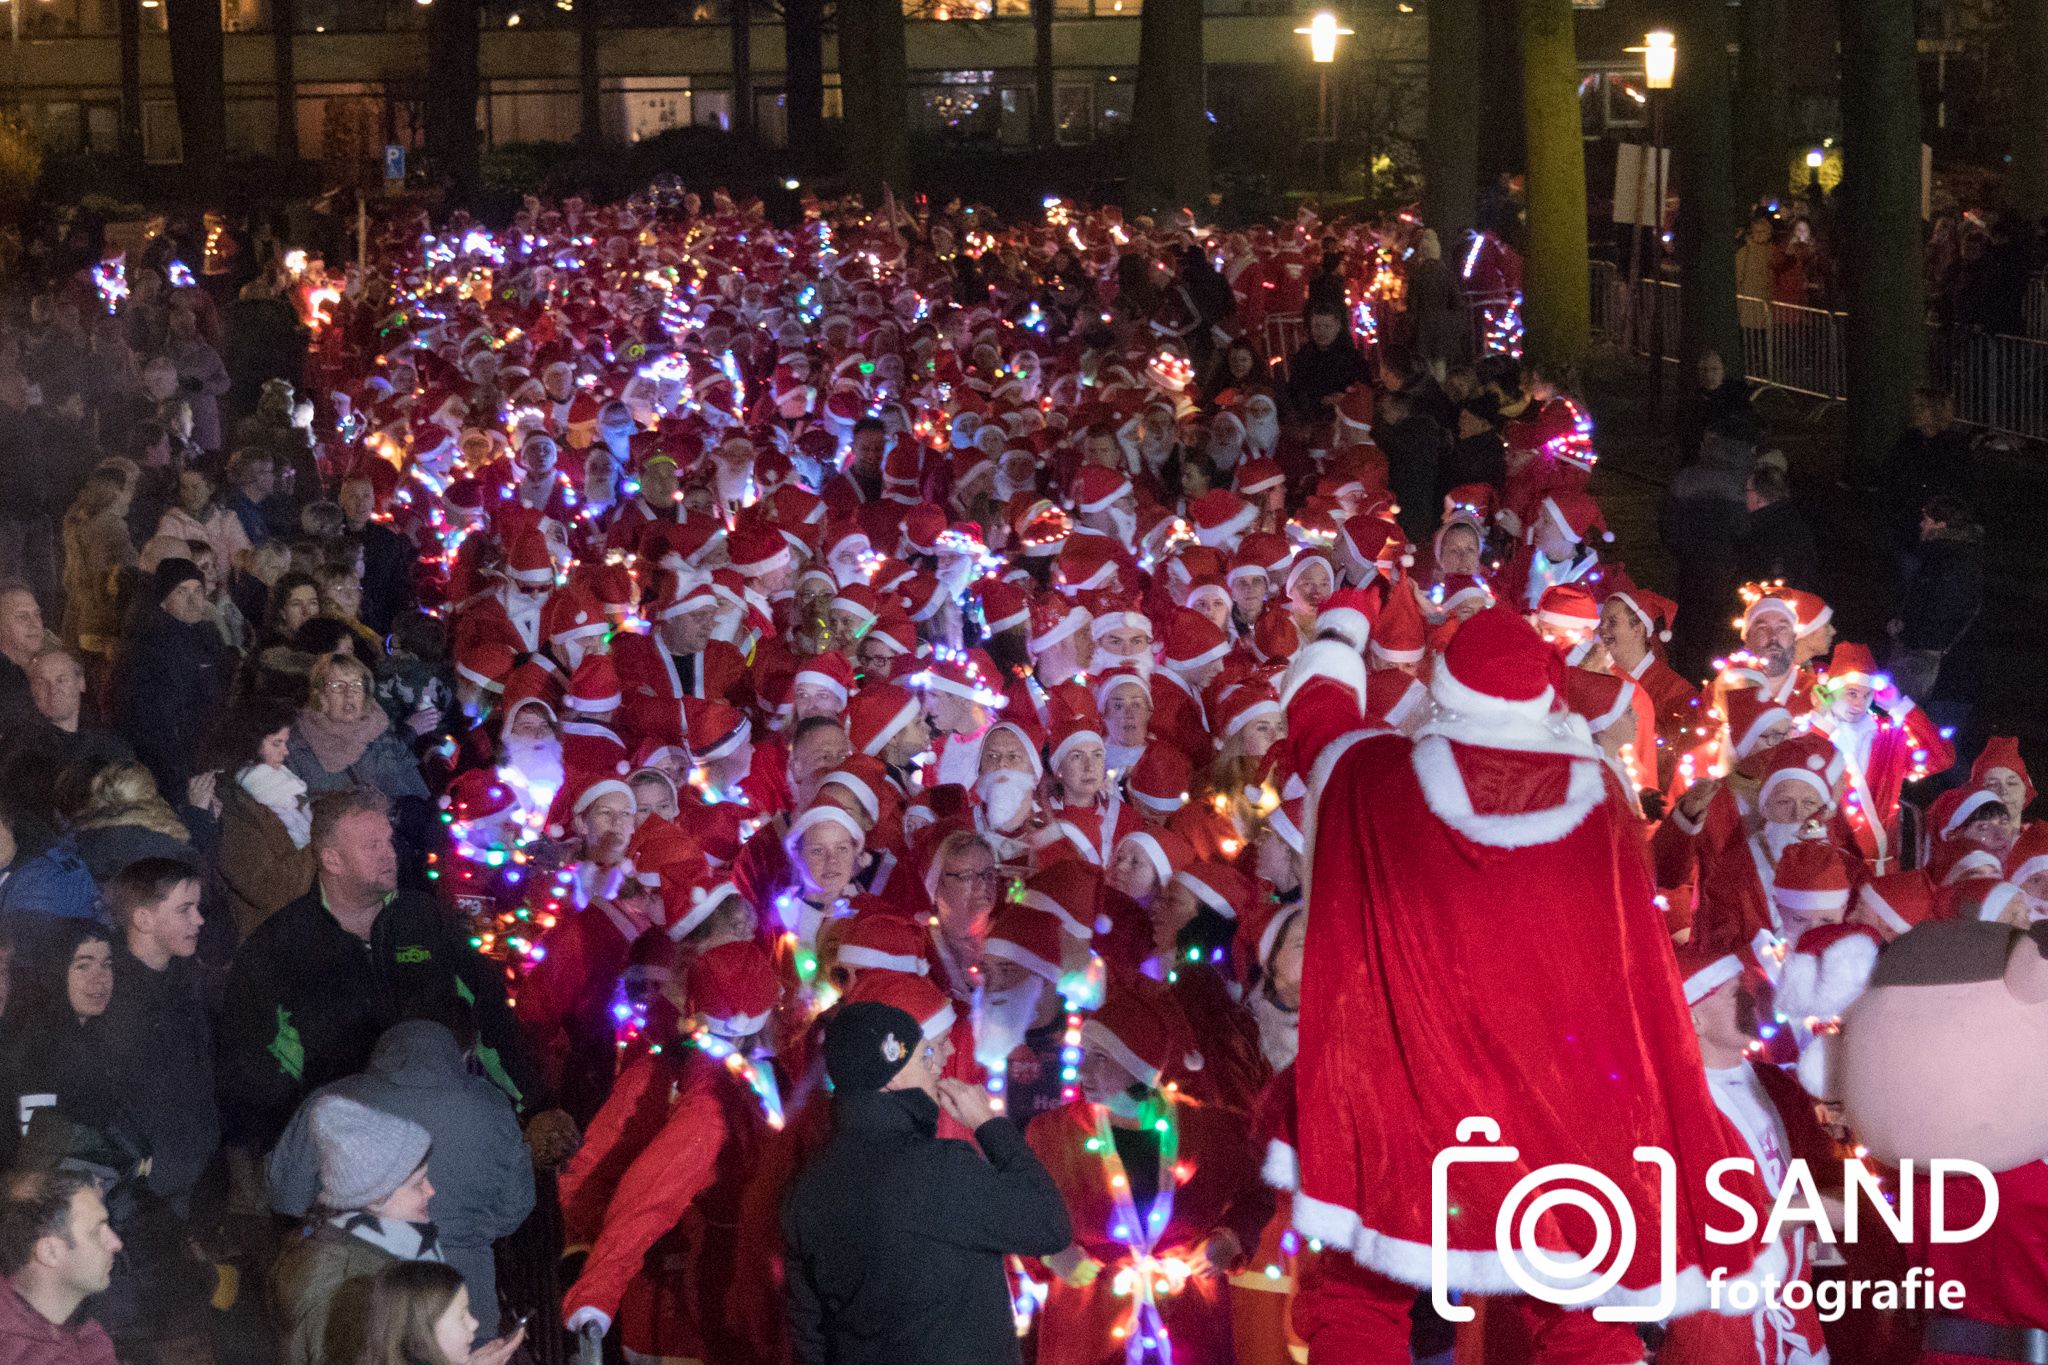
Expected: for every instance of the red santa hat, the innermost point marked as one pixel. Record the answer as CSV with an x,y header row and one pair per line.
x,y
829,671
1654,611
1766,605
1851,663
878,714
822,813
1096,489
1071,730
1400,634
528,561
922,527
1087,563
595,685
688,901
1809,612
1143,1034
1826,970
1750,713
1167,851
1495,669
1600,699
734,988
1367,545
1159,780
1193,641
1219,517
2003,752
1219,886
1896,902
1811,877
1954,807
1568,609
1068,890
878,938
1029,937
1053,619
1240,706
858,601
1003,606
682,593
572,613
756,551
579,791
1258,476
914,995
1704,971
660,845
2029,856
894,632
1576,515
477,795
1393,698
486,664
1348,614
865,779
1810,758
713,729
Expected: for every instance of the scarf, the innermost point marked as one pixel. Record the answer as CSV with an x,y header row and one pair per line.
x,y
340,745
282,792
406,1241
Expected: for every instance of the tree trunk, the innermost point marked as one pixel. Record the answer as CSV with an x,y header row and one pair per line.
x,y
741,27
2030,135
590,131
1450,182
199,85
1044,132
1763,92
284,73
874,83
1702,118
1558,304
128,13
1886,333
803,60
454,55
1169,121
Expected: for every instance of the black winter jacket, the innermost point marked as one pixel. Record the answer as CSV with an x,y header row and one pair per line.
x,y
306,1001
896,1238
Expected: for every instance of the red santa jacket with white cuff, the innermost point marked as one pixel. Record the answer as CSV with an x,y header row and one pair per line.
x,y
1904,746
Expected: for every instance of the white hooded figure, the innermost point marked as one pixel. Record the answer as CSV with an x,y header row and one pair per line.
x,y
1005,800
1262,426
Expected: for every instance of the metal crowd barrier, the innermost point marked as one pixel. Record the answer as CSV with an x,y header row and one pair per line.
x,y
1999,382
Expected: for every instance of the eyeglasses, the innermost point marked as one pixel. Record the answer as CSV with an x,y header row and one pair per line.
x,y
355,687
988,878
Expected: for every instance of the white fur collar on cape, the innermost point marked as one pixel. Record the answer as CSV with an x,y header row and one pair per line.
x,y
1443,785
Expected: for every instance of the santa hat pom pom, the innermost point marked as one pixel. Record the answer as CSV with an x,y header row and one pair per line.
x,y
1407,561
1665,636
557,832
1816,762
1607,536
1191,1059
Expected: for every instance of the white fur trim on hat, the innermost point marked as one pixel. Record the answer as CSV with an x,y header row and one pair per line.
x,y
1067,625
1097,1034
1823,985
1060,750
1712,977
703,900
1038,900
738,1025
1396,656
1815,780
1206,894
1270,939
1475,705
1348,624
604,787
1258,710
1967,807
870,802
1333,659
1023,957
1148,844
1281,823
1282,1168
853,955
1777,604
1869,898
818,815
940,1024
1769,716
1805,628
811,677
895,726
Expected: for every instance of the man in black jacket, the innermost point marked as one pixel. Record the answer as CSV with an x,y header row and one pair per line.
x,y
156,1024
1777,543
315,985
895,1237
170,676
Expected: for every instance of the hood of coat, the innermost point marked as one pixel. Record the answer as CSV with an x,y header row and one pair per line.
x,y
417,1052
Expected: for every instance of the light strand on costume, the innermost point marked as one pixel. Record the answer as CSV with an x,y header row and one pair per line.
x,y
1145,1279
752,1075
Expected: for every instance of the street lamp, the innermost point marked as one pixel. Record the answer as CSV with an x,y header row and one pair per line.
x,y
1660,59
1322,31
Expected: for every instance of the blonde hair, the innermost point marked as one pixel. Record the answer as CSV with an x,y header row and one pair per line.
x,y
324,669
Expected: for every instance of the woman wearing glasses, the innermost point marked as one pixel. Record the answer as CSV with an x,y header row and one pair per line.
x,y
344,739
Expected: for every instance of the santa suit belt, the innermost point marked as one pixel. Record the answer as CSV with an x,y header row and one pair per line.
x,y
1954,1334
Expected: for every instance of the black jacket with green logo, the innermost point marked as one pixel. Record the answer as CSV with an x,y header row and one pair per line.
x,y
306,1002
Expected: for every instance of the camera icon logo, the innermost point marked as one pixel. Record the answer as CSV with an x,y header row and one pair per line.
x,y
1543,1274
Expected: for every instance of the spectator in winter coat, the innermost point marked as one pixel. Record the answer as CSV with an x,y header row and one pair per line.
x,y
96,550
40,884
1327,364
1415,445
1932,457
57,736
1943,596
372,1212
1777,543
123,819
169,675
265,857
482,1177
55,1052
157,1025
1700,522
896,1238
57,1250
202,377
344,739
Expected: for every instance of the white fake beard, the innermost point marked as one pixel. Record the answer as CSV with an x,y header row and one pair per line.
x,y
2037,906
522,609
1005,489
1279,1030
1006,797
1002,1018
1101,661
539,762
1780,835
1225,454
846,575
1154,453
1124,523
1262,433
955,573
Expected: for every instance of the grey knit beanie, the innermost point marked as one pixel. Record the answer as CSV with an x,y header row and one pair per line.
x,y
365,1153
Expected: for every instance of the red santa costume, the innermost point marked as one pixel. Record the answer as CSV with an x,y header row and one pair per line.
x,y
1737,889
511,616
2004,1272
1882,753
1190,1173
663,1260
1413,976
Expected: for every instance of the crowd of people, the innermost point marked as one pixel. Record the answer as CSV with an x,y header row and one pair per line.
x,y
545,825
